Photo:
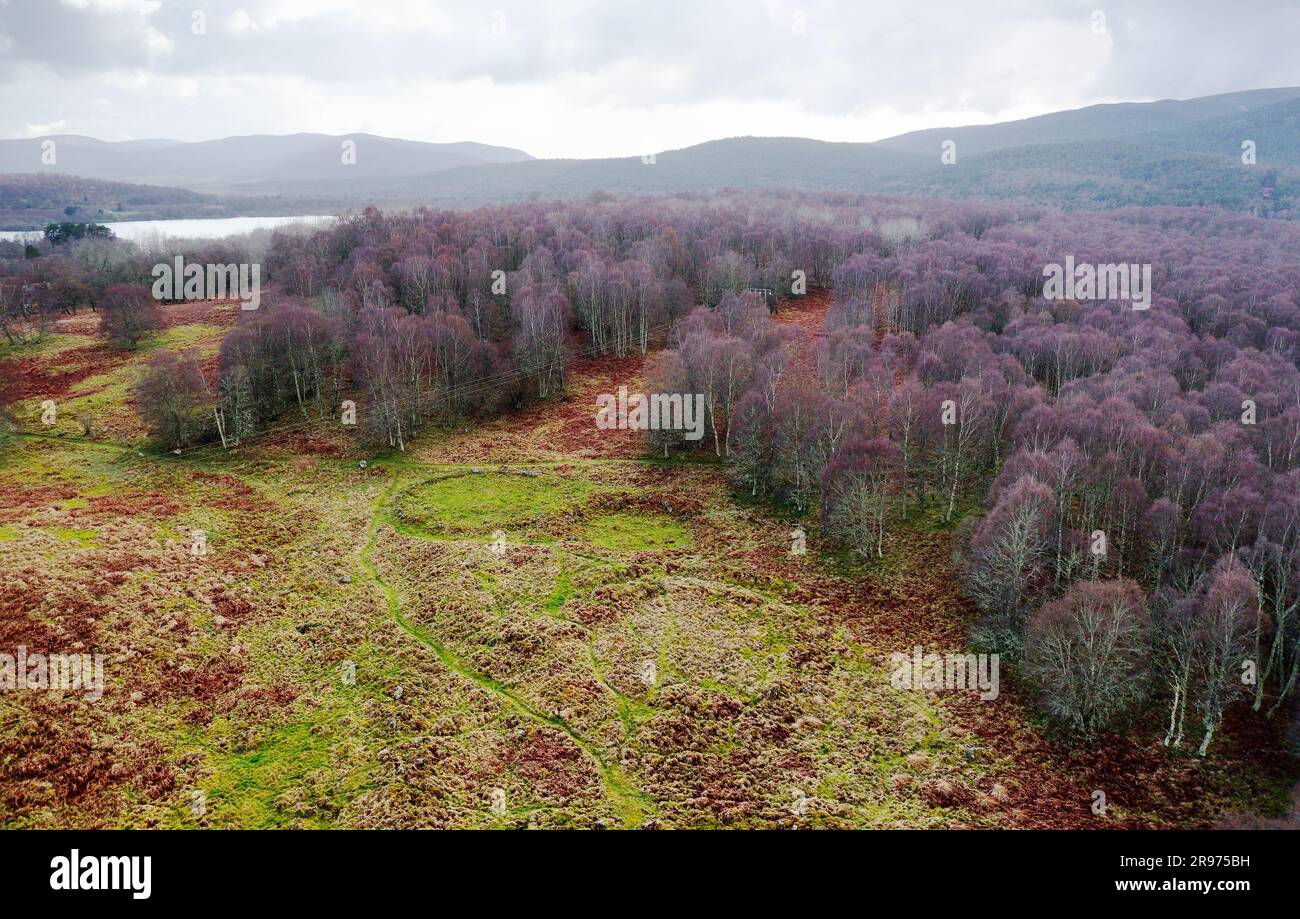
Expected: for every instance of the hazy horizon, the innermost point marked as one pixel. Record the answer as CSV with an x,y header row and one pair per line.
x,y
574,80
468,140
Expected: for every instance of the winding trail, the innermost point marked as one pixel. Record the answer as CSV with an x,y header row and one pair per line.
x,y
629,801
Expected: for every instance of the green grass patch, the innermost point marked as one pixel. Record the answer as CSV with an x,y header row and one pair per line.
x,y
563,590
266,787
122,376
636,532
185,336
48,346
930,517
8,535
482,503
82,537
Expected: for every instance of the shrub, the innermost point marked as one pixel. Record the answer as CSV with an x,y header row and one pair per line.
x,y
127,314
174,399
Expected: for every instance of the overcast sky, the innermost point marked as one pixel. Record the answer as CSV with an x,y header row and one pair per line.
x,y
615,78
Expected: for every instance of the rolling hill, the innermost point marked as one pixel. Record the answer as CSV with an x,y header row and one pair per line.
x,y
29,201
1095,122
224,165
1168,152
1178,153
1275,129
750,162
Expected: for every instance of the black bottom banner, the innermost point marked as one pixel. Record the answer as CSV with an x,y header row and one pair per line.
x,y
335,868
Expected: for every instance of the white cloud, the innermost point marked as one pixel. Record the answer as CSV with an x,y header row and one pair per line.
x,y
49,127
595,77
139,7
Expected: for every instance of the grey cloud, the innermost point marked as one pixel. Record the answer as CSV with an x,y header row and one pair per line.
x,y
852,58
68,40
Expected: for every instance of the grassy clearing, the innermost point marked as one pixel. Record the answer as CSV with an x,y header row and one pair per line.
x,y
628,802
106,397
49,346
636,532
480,503
299,775
590,678
193,335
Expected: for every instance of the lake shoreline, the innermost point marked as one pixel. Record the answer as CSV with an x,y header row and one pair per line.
x,y
180,227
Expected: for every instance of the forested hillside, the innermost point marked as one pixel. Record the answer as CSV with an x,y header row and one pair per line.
x,y
31,200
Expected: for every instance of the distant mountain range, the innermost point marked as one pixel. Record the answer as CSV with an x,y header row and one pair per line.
x,y
221,166
1104,156
1168,152
1096,122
